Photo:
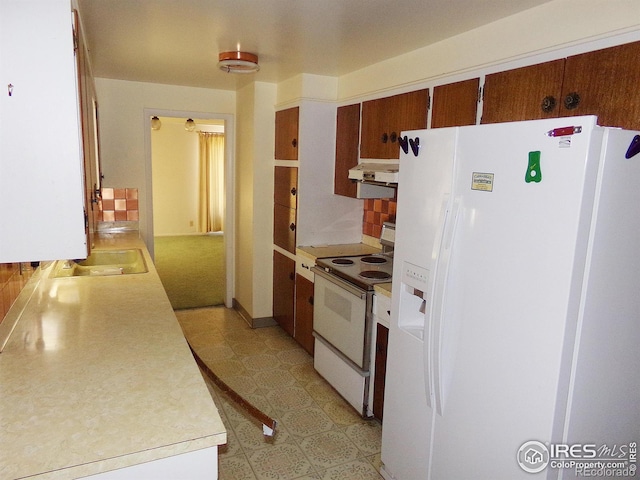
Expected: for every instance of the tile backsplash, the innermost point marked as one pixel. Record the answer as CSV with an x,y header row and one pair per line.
x,y
376,212
119,204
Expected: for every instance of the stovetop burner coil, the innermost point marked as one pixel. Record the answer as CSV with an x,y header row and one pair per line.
x,y
373,260
342,261
375,274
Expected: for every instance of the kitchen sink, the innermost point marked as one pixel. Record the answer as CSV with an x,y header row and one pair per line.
x,y
103,262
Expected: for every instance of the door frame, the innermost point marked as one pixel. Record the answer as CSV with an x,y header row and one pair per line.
x,y
229,181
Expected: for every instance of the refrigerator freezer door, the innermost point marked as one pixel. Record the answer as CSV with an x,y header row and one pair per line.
x,y
408,415
512,293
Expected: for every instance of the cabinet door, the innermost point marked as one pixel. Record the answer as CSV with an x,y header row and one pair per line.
x,y
382,340
410,113
526,93
605,83
347,140
286,147
41,193
284,270
383,119
455,104
374,136
284,227
304,313
285,187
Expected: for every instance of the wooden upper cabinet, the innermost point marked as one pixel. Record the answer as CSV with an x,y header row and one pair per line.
x,y
605,83
286,147
284,227
285,188
383,119
455,104
526,93
347,140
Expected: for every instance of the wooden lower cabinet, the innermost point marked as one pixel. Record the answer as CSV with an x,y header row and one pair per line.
x,y
382,340
303,332
284,276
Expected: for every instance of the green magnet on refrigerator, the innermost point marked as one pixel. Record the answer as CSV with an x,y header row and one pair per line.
x,y
533,169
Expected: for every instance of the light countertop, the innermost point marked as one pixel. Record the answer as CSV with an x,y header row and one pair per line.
x,y
383,289
342,250
97,375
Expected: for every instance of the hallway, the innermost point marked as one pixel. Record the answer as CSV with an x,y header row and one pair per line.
x,y
319,436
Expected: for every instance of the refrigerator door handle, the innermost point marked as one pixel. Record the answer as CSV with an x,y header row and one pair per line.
x,y
439,302
431,297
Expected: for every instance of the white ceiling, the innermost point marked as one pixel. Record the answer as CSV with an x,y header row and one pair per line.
x,y
177,41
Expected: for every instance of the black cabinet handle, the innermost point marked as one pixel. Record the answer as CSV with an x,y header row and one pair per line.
x,y
393,137
292,227
548,103
294,143
294,191
311,300
292,276
571,101
384,138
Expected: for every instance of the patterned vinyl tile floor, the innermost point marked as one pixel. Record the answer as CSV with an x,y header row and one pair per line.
x,y
319,435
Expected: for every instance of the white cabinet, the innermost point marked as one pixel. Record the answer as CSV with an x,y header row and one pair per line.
x,y
323,218
41,179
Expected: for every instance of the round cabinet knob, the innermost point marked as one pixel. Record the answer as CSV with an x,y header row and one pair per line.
x,y
294,143
571,101
548,103
393,137
292,227
294,191
384,138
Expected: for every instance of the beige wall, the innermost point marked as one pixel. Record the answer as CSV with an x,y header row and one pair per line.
x,y
123,125
175,179
254,198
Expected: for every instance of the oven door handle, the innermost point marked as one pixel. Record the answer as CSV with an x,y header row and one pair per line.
x,y
339,282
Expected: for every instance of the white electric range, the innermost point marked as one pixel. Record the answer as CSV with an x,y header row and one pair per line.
x,y
343,319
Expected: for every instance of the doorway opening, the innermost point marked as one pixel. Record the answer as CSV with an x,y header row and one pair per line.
x,y
190,193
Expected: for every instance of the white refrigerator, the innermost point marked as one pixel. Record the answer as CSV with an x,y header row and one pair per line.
x,y
515,321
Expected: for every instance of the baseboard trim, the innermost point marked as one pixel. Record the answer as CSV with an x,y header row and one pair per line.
x,y
253,322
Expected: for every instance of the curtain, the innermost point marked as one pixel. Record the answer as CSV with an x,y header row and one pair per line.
x,y
211,183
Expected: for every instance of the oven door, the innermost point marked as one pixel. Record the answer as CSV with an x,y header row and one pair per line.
x,y
339,316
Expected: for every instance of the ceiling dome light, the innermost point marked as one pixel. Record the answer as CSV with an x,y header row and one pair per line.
x,y
155,123
190,125
238,62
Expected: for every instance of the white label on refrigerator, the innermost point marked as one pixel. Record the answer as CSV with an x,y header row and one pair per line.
x,y
482,181
564,142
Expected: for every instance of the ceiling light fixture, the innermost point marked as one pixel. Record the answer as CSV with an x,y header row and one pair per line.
x,y
155,123
190,125
238,62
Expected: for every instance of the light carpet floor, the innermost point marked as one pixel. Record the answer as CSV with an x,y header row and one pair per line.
x,y
319,435
191,268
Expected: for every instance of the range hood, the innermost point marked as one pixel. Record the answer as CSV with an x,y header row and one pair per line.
x,y
375,173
